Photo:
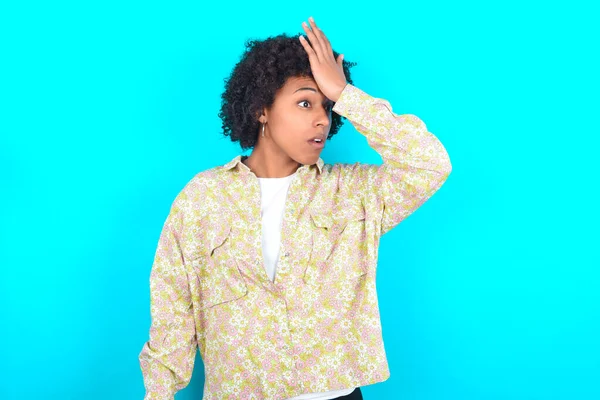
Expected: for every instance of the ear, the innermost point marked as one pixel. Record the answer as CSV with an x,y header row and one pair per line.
x,y
262,118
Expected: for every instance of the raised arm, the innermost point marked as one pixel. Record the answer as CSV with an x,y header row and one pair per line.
x,y
415,163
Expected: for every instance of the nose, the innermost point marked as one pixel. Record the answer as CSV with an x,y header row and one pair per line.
x,y
323,117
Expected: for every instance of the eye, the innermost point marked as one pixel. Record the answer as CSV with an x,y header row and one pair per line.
x,y
328,106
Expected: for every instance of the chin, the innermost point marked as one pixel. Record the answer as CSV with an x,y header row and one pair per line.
x,y
308,160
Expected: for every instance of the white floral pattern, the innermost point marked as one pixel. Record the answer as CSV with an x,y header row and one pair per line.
x,y
315,328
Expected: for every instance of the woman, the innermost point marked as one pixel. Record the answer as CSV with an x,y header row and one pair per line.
x,y
267,264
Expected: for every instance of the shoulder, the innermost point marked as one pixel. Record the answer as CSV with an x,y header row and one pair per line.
x,y
350,179
197,195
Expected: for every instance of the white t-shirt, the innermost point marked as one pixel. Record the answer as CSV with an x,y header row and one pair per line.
x,y
273,194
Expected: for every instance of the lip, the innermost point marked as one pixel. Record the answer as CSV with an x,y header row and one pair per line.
x,y
316,145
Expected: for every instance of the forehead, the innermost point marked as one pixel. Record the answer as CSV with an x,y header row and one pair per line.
x,y
299,84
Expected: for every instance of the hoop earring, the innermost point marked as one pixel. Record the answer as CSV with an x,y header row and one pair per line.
x,y
263,130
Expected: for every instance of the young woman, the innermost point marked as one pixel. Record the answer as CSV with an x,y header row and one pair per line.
x,y
267,263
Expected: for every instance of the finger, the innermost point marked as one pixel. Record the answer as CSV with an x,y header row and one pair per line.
x,y
314,41
320,36
340,60
311,53
323,38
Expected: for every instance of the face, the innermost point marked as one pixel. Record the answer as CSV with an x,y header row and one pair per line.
x,y
299,113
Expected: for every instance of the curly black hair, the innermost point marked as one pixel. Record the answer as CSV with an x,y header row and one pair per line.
x,y
264,68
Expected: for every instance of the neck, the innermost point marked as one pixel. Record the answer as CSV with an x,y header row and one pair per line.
x,y
268,163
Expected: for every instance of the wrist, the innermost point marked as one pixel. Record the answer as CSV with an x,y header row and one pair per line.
x,y
338,92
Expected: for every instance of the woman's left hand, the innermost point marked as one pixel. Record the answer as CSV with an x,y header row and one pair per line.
x,y
327,71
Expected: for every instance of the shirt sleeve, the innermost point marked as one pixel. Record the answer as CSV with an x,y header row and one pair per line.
x,y
415,163
167,359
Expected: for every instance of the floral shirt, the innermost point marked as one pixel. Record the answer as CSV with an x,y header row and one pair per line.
x,y
316,327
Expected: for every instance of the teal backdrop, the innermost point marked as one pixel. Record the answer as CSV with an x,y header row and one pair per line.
x,y
489,291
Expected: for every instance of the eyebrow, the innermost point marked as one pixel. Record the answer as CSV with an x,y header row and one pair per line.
x,y
330,102
306,88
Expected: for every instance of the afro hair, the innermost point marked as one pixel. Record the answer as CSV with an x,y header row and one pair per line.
x,y
264,68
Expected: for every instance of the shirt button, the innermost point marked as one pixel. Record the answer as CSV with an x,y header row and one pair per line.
x,y
287,254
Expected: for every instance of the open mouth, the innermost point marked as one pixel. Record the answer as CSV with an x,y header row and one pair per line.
x,y
318,143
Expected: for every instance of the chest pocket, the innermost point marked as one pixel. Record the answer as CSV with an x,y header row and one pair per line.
x,y
216,272
337,241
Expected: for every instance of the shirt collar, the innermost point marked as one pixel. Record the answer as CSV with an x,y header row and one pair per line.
x,y
237,160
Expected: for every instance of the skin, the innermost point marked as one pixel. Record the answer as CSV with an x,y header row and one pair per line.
x,y
301,110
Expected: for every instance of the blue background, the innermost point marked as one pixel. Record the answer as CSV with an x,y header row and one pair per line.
x,y
489,291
